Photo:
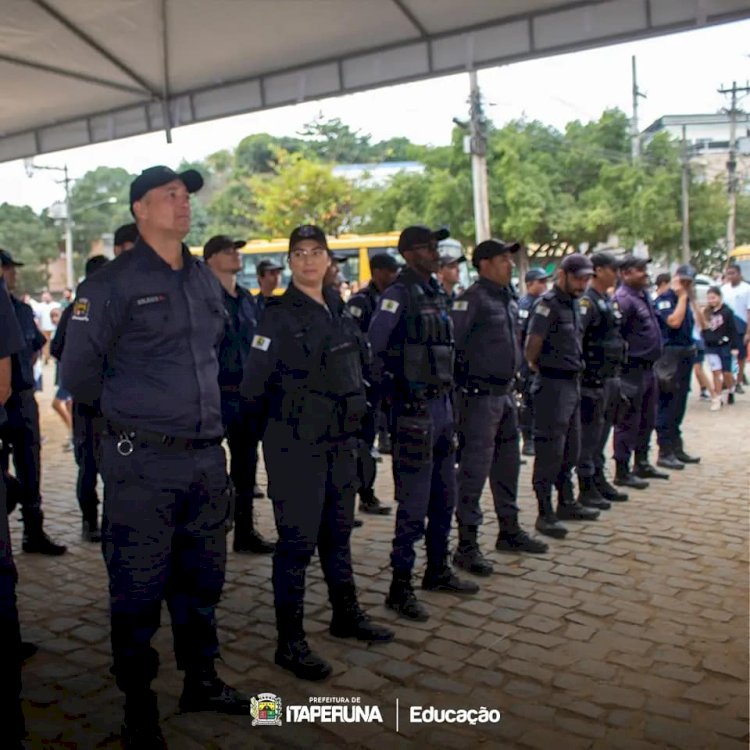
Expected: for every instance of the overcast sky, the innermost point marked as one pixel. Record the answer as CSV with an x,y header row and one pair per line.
x,y
680,74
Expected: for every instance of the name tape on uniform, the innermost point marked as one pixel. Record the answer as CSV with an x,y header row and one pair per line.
x,y
261,342
460,305
389,305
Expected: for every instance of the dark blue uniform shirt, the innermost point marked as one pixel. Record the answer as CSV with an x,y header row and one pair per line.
x,y
11,337
144,338
640,324
665,305
555,319
23,361
363,304
240,325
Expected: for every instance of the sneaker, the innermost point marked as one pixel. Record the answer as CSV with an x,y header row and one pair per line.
x,y
715,404
705,395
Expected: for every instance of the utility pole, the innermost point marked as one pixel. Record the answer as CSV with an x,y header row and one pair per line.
x,y
478,146
732,163
635,133
685,153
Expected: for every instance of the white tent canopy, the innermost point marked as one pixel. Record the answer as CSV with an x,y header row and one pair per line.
x,y
76,72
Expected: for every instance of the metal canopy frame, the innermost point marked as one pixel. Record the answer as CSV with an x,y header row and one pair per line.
x,y
566,26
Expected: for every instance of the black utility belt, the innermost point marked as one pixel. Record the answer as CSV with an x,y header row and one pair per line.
x,y
489,389
129,437
555,374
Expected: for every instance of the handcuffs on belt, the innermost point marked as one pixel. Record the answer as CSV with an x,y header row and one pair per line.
x,y
125,443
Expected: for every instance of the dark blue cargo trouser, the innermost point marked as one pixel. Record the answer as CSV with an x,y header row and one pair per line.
x,y
633,429
312,487
163,537
424,476
488,426
87,438
671,407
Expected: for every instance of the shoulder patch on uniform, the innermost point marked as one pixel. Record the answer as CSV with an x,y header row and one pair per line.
x,y
355,311
665,304
542,309
584,304
81,309
460,305
261,342
389,305
522,313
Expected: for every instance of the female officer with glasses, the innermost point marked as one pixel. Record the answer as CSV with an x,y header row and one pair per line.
x,y
304,375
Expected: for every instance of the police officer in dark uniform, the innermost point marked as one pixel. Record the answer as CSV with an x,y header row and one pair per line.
x,y
11,342
143,338
21,430
640,329
603,356
554,354
383,269
536,286
411,335
268,273
221,254
487,358
305,375
676,318
449,274
88,426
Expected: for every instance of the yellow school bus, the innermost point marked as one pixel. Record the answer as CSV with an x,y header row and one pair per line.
x,y
741,256
358,249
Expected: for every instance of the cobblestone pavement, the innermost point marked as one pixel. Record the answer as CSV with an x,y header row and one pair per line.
x,y
632,633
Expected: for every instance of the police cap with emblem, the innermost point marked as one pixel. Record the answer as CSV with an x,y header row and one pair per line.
x,y
577,264
632,261
420,235
155,177
535,274
219,243
446,260
604,260
490,248
267,265
307,232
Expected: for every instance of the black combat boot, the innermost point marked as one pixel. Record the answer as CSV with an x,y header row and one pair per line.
x,y
292,651
468,556
547,522
625,478
369,503
402,599
512,538
442,578
606,490
36,541
246,538
349,621
589,495
204,690
140,728
567,507
90,530
680,455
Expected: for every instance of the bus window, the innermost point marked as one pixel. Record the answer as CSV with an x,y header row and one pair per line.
x,y
248,276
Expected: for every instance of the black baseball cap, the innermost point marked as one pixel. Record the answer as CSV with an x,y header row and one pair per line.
x,y
686,272
221,242
632,261
307,232
267,265
155,177
605,260
446,260
94,263
6,260
577,264
490,248
421,235
535,274
126,233
384,261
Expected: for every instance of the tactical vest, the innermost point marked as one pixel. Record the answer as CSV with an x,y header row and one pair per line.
x,y
603,344
428,348
561,349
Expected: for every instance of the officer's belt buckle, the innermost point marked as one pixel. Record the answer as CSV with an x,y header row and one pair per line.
x,y
125,443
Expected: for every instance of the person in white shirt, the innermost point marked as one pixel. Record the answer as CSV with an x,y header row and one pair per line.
x,y
43,310
736,295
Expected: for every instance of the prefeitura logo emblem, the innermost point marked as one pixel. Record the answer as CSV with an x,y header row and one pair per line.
x,y
266,710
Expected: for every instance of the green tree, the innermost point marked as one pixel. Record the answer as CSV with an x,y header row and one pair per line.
x,y
333,141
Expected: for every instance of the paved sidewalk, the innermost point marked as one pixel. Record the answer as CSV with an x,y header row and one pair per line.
x,y
632,633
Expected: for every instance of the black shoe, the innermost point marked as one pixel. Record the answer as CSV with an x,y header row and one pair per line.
x,y
258,492
576,512
550,526
90,532
686,458
472,560
528,449
520,541
140,729
28,650
352,622
402,600
39,543
607,491
251,542
666,461
626,478
446,580
303,663
212,694
589,496
368,503
730,399
647,471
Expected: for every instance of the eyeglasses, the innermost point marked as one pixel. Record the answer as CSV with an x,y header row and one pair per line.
x,y
309,252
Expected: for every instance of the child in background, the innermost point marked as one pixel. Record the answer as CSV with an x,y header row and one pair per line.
x,y
719,335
